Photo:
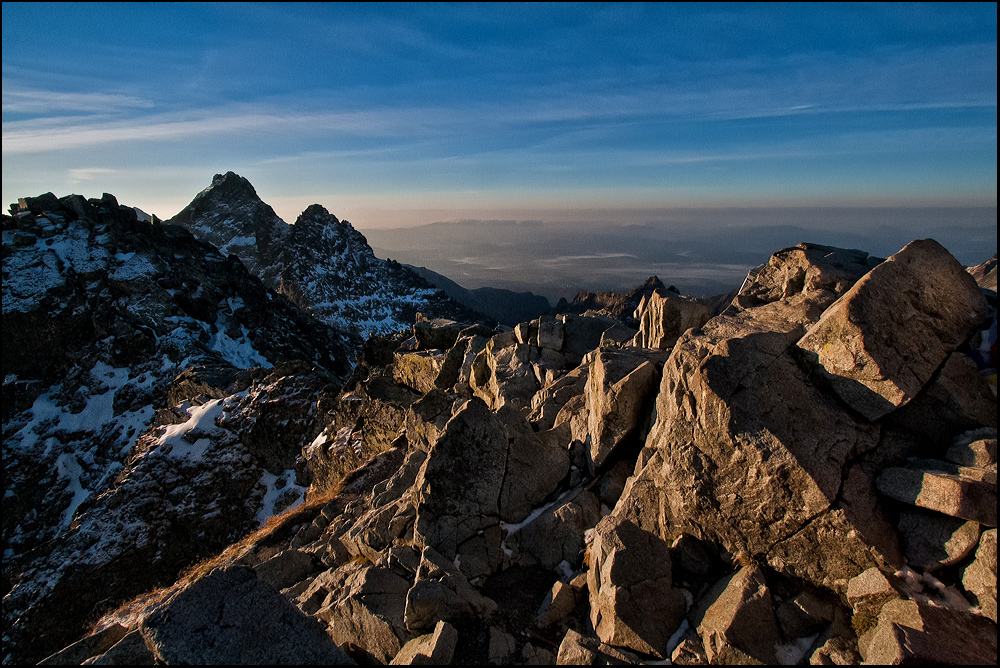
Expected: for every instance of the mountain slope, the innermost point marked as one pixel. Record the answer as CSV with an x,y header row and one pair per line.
x,y
156,396
505,306
321,263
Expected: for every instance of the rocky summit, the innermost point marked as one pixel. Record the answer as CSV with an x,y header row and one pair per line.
x,y
322,264
807,476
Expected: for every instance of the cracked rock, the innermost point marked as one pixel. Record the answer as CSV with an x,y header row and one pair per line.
x,y
884,339
230,617
633,602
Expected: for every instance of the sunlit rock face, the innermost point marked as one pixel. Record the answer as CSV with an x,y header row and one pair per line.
x,y
322,264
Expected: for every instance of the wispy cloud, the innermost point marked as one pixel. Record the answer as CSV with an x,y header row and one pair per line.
x,y
27,101
42,135
89,174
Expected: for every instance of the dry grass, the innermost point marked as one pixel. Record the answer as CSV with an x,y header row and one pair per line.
x,y
863,622
131,612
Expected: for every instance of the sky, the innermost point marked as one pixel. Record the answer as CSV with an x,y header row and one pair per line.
x,y
394,115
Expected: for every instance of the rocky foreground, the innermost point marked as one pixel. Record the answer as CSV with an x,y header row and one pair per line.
x,y
809,477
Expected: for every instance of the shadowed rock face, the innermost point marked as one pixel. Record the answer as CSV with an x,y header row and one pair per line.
x,y
459,485
229,215
230,617
151,386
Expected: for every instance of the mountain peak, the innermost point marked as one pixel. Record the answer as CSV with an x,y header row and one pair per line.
x,y
316,212
231,184
230,215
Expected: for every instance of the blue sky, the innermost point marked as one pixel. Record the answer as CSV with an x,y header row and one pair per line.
x,y
402,114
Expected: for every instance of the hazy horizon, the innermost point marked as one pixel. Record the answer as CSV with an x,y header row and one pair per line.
x,y
703,252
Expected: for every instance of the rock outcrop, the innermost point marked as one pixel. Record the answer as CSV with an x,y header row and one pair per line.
x,y
559,493
883,340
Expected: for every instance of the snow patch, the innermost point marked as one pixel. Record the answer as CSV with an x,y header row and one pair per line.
x,y
793,651
316,446
675,638
132,267
190,440
67,466
238,352
274,491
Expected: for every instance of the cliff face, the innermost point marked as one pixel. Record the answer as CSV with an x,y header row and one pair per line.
x,y
809,476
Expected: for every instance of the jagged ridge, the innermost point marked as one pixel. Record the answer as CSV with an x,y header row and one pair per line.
x,y
322,264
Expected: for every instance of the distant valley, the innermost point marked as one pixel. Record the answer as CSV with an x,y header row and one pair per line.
x,y
704,252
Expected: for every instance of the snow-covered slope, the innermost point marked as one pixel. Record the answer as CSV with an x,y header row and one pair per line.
x,y
156,398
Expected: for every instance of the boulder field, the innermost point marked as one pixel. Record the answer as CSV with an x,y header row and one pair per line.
x,y
808,477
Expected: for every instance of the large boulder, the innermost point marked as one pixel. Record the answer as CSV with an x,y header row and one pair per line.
x,y
230,617
746,451
738,625
419,370
536,464
886,336
804,268
457,491
557,535
909,632
441,593
431,649
439,333
946,492
368,613
583,333
633,602
503,373
617,387
665,316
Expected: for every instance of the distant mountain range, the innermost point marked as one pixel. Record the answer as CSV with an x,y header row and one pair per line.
x,y
505,306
